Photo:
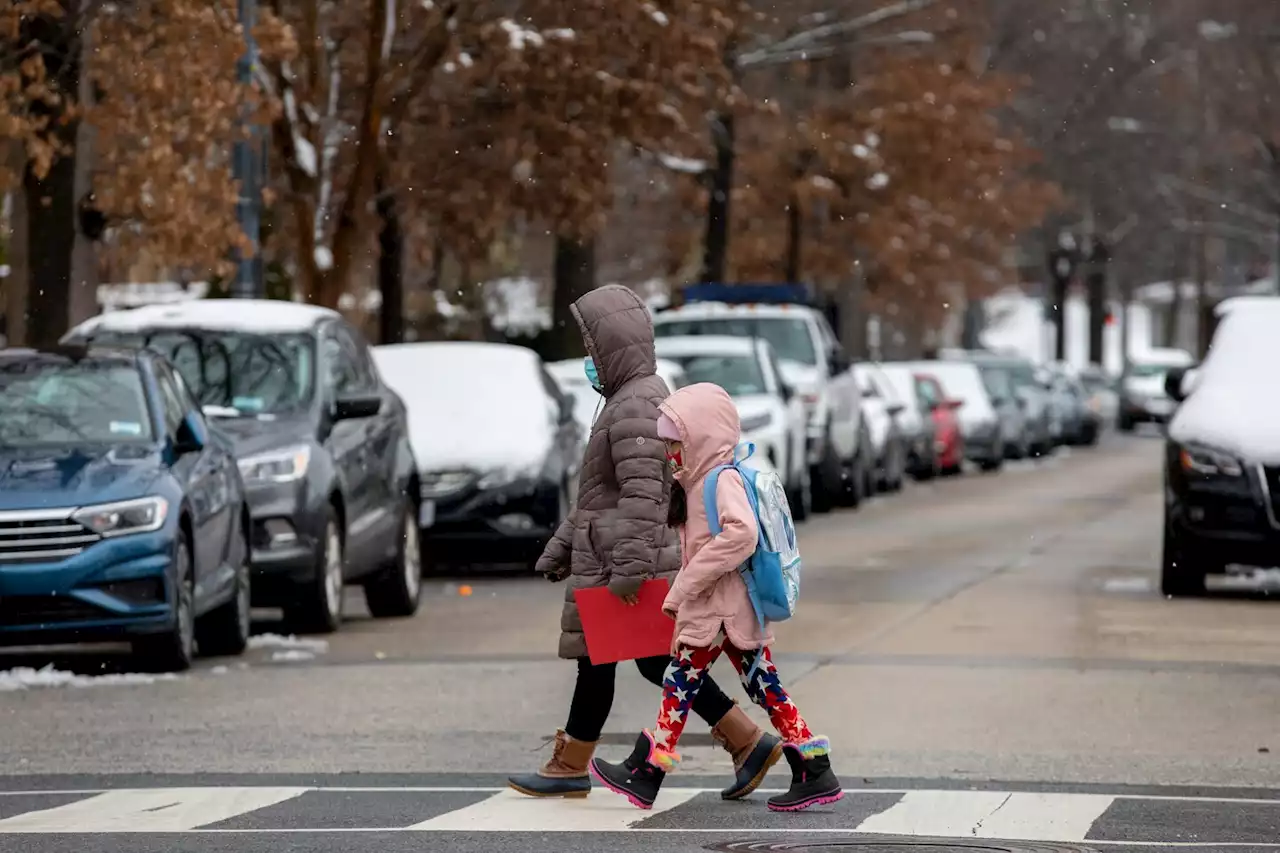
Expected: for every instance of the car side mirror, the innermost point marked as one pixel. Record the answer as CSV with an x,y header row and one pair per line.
x,y
788,393
868,394
356,406
895,409
838,362
1173,384
190,435
566,410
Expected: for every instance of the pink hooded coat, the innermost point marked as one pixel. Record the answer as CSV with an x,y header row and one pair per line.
x,y
709,594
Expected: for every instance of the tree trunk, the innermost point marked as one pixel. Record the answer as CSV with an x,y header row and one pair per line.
x,y
390,266
715,250
1059,294
1096,285
795,237
51,237
51,198
16,283
574,273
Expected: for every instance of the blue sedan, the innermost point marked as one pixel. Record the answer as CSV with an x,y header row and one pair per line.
x,y
122,515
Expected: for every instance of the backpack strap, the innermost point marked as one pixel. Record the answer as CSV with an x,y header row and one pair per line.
x,y
709,498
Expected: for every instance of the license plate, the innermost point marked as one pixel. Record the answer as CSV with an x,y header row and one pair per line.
x,y
426,513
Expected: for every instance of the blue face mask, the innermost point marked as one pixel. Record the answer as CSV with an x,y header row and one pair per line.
x,y
589,367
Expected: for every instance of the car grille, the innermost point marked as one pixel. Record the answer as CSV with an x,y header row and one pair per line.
x,y
18,610
27,537
1271,479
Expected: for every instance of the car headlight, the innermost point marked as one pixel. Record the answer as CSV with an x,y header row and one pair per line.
x,y
122,518
277,466
1208,462
502,477
756,422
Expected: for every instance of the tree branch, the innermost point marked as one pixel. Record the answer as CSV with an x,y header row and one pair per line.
x,y
838,28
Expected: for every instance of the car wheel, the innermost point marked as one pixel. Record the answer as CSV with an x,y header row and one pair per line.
x,y
801,497
318,609
826,479
174,649
859,481
397,589
1125,424
1181,574
225,631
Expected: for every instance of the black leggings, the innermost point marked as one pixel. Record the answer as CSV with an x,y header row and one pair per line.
x,y
593,696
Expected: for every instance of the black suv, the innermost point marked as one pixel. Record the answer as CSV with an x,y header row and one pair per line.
x,y
321,442
1222,456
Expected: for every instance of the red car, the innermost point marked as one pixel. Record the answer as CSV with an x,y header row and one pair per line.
x,y
949,440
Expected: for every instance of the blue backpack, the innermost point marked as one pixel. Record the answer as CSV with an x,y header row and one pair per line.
x,y
772,572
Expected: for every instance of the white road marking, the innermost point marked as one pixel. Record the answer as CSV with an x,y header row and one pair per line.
x,y
149,810
991,814
941,813
510,811
1045,817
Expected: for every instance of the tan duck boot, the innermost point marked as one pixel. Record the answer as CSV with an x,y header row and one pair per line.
x,y
753,750
564,774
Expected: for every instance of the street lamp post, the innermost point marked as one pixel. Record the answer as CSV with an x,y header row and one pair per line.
x,y
1062,266
246,166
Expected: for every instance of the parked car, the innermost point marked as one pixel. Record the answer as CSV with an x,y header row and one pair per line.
x,y
122,515
1101,396
1222,455
322,445
919,430
881,409
1015,430
948,438
1031,394
587,402
497,443
772,415
812,361
1079,423
980,424
1143,398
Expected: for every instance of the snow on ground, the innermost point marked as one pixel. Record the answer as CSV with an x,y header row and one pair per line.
x,y
277,641
25,678
291,655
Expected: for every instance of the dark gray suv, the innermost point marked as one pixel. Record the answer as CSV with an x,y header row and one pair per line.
x,y
322,445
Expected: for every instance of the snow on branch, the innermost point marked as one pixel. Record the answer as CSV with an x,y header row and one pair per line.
x,y
814,35
684,165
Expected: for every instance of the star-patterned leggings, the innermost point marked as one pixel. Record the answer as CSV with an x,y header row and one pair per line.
x,y
684,677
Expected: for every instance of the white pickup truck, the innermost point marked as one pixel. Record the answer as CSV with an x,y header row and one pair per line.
x,y
812,363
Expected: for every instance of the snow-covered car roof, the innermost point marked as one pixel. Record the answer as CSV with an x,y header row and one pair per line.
x,y
253,316
685,345
701,310
1231,407
474,406
1163,357
1253,303
569,372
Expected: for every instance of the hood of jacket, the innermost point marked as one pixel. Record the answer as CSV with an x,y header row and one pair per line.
x,y
618,331
709,428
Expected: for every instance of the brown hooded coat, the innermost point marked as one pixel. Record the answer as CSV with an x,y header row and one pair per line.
x,y
617,536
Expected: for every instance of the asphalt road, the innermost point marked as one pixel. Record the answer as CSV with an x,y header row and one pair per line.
x,y
989,655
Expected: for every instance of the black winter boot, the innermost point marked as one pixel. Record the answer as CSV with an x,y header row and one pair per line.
x,y
812,781
638,778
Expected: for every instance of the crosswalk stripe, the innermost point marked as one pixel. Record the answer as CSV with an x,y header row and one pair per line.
x,y
990,814
149,810
509,811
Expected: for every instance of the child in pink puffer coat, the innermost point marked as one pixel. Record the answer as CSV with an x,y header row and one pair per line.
x,y
713,612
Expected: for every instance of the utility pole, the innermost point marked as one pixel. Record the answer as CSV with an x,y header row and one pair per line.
x,y
247,170
1062,266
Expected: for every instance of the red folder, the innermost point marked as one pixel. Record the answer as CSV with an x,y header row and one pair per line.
x,y
615,631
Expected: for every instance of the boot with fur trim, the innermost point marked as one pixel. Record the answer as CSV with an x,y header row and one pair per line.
x,y
812,781
639,777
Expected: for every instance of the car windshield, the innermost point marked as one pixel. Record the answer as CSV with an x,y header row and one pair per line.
x,y
789,335
246,374
44,403
738,374
1147,371
997,382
